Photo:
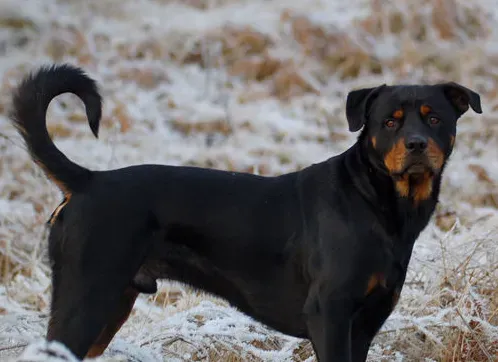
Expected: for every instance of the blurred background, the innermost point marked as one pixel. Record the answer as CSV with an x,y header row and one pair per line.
x,y
256,86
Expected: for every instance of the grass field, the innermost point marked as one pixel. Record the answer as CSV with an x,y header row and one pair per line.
x,y
256,86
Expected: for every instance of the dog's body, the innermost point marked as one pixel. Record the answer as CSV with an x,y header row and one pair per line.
x,y
320,254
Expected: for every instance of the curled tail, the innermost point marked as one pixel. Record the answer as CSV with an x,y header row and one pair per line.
x,y
30,103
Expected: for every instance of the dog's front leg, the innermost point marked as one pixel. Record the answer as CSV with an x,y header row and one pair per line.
x,y
329,321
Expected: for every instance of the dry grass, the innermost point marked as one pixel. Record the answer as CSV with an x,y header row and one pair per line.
x,y
267,97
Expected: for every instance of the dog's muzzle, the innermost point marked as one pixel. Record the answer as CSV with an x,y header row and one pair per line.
x,y
417,160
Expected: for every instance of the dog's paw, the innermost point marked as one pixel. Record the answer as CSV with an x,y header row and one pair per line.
x,y
45,351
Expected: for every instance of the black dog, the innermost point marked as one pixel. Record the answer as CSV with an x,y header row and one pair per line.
x,y
320,254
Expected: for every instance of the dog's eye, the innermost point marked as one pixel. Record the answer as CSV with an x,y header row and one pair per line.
x,y
434,120
390,123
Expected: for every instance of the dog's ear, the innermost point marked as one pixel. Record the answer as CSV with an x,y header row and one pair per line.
x,y
357,104
461,97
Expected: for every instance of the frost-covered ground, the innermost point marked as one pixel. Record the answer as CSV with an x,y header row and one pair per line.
x,y
257,86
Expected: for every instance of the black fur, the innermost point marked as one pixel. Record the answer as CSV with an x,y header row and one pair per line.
x,y
320,254
30,103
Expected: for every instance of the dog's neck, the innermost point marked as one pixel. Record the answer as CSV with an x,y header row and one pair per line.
x,y
380,190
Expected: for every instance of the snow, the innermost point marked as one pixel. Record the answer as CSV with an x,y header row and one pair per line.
x,y
453,276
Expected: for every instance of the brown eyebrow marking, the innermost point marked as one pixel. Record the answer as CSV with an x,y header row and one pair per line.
x,y
398,114
425,110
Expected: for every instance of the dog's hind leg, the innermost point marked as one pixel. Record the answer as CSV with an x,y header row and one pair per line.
x,y
81,309
114,323
91,296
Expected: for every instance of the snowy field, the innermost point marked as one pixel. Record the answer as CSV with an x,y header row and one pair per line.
x,y
258,86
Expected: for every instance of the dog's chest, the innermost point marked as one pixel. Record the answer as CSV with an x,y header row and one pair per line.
x,y
389,261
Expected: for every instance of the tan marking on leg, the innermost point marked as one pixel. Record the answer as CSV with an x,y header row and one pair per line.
x,y
115,323
375,281
58,209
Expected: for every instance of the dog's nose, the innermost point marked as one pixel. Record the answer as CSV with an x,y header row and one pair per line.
x,y
416,144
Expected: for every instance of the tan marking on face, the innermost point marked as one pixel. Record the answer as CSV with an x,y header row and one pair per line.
x,y
419,188
435,155
375,281
374,142
395,158
452,140
422,190
403,186
398,114
425,110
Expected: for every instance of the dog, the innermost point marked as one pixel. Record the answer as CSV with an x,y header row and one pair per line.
x,y
320,253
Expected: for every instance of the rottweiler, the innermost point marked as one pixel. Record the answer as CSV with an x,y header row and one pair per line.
x,y
320,253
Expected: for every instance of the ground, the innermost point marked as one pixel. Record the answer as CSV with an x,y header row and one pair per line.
x,y
257,86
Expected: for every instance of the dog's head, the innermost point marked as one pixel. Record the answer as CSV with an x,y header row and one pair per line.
x,y
409,130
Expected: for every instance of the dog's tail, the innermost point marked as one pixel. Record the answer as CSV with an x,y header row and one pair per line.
x,y
30,103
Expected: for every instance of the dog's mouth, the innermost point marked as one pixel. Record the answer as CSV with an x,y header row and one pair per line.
x,y
416,168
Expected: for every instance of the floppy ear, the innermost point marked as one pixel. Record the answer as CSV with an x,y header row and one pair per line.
x,y
461,97
357,105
